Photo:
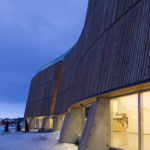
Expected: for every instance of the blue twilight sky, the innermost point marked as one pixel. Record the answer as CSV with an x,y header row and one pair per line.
x,y
33,32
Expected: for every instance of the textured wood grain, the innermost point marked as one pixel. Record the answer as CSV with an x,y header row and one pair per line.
x,y
112,51
43,91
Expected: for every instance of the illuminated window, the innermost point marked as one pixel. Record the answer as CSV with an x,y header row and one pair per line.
x,y
124,122
39,121
51,123
145,118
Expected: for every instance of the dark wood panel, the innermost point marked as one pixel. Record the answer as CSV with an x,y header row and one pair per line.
x,y
112,52
43,91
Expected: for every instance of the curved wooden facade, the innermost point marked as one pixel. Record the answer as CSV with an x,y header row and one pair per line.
x,y
43,91
112,52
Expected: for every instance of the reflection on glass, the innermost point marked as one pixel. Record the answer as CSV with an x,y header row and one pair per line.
x,y
145,102
124,122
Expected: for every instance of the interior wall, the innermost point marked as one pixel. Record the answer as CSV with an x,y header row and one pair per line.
x,y
128,107
124,122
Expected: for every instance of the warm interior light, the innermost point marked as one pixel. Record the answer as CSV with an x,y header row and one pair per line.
x,y
51,123
145,102
124,122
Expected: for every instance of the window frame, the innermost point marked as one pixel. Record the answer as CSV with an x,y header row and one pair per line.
x,y
140,118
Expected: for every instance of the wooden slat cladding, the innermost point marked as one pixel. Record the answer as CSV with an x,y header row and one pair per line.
x,y
103,15
112,52
43,91
55,89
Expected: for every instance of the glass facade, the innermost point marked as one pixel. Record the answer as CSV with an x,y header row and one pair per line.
x,y
145,120
124,122
130,121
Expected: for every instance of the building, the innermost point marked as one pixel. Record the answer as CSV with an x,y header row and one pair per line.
x,y
102,86
42,97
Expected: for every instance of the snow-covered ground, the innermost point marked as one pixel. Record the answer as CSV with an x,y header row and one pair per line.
x,y
1,129
32,141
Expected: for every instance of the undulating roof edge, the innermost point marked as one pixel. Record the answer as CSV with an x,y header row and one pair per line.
x,y
58,59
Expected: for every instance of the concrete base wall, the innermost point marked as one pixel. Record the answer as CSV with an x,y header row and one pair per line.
x,y
32,123
83,119
96,134
23,126
39,122
58,122
72,127
52,124
47,124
